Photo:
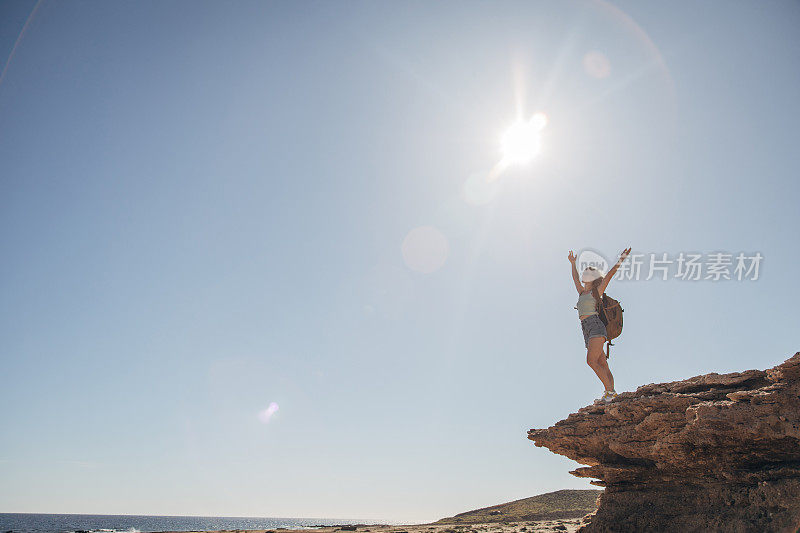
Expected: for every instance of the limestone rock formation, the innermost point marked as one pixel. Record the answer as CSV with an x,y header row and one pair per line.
x,y
718,452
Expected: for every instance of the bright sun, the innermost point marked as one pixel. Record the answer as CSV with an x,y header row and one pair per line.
x,y
522,141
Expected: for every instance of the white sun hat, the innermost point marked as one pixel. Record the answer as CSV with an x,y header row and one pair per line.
x,y
591,274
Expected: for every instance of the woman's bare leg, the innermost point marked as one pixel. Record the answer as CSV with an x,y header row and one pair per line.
x,y
596,358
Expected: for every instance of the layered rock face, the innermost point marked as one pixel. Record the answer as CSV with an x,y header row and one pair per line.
x,y
718,452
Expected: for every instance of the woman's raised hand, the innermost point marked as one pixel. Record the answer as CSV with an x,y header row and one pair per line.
x,y
571,257
624,255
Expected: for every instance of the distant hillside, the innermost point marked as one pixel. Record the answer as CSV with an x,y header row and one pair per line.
x,y
561,504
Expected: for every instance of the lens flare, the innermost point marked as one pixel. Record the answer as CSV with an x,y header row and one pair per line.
x,y
265,415
596,64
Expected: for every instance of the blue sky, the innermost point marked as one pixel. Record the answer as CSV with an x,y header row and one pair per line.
x,y
203,207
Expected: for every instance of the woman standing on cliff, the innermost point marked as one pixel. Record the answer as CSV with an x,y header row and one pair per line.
x,y
591,285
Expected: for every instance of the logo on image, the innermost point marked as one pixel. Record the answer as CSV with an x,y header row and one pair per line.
x,y
590,258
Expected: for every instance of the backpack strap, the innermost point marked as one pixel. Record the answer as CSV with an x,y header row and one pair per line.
x,y
598,302
602,312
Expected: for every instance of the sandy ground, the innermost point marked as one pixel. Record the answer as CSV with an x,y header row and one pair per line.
x,y
545,526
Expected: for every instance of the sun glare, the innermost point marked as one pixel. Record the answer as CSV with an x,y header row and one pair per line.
x,y
522,141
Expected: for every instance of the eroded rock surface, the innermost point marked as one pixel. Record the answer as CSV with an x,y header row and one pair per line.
x,y
718,452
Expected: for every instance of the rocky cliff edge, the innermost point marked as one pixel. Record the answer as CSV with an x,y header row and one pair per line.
x,y
717,452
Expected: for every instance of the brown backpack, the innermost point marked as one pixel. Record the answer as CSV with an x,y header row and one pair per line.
x,y
610,312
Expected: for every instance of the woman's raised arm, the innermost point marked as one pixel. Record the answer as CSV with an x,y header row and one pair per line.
x,y
607,278
575,277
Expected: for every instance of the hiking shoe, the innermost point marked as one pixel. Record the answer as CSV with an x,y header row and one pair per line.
x,y
606,397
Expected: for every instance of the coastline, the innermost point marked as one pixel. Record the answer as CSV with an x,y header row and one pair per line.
x,y
527,526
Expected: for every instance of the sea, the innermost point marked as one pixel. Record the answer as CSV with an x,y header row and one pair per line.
x,y
90,523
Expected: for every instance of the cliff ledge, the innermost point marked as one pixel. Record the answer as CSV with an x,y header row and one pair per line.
x,y
717,452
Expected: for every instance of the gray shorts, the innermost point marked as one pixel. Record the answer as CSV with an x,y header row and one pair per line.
x,y
592,326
